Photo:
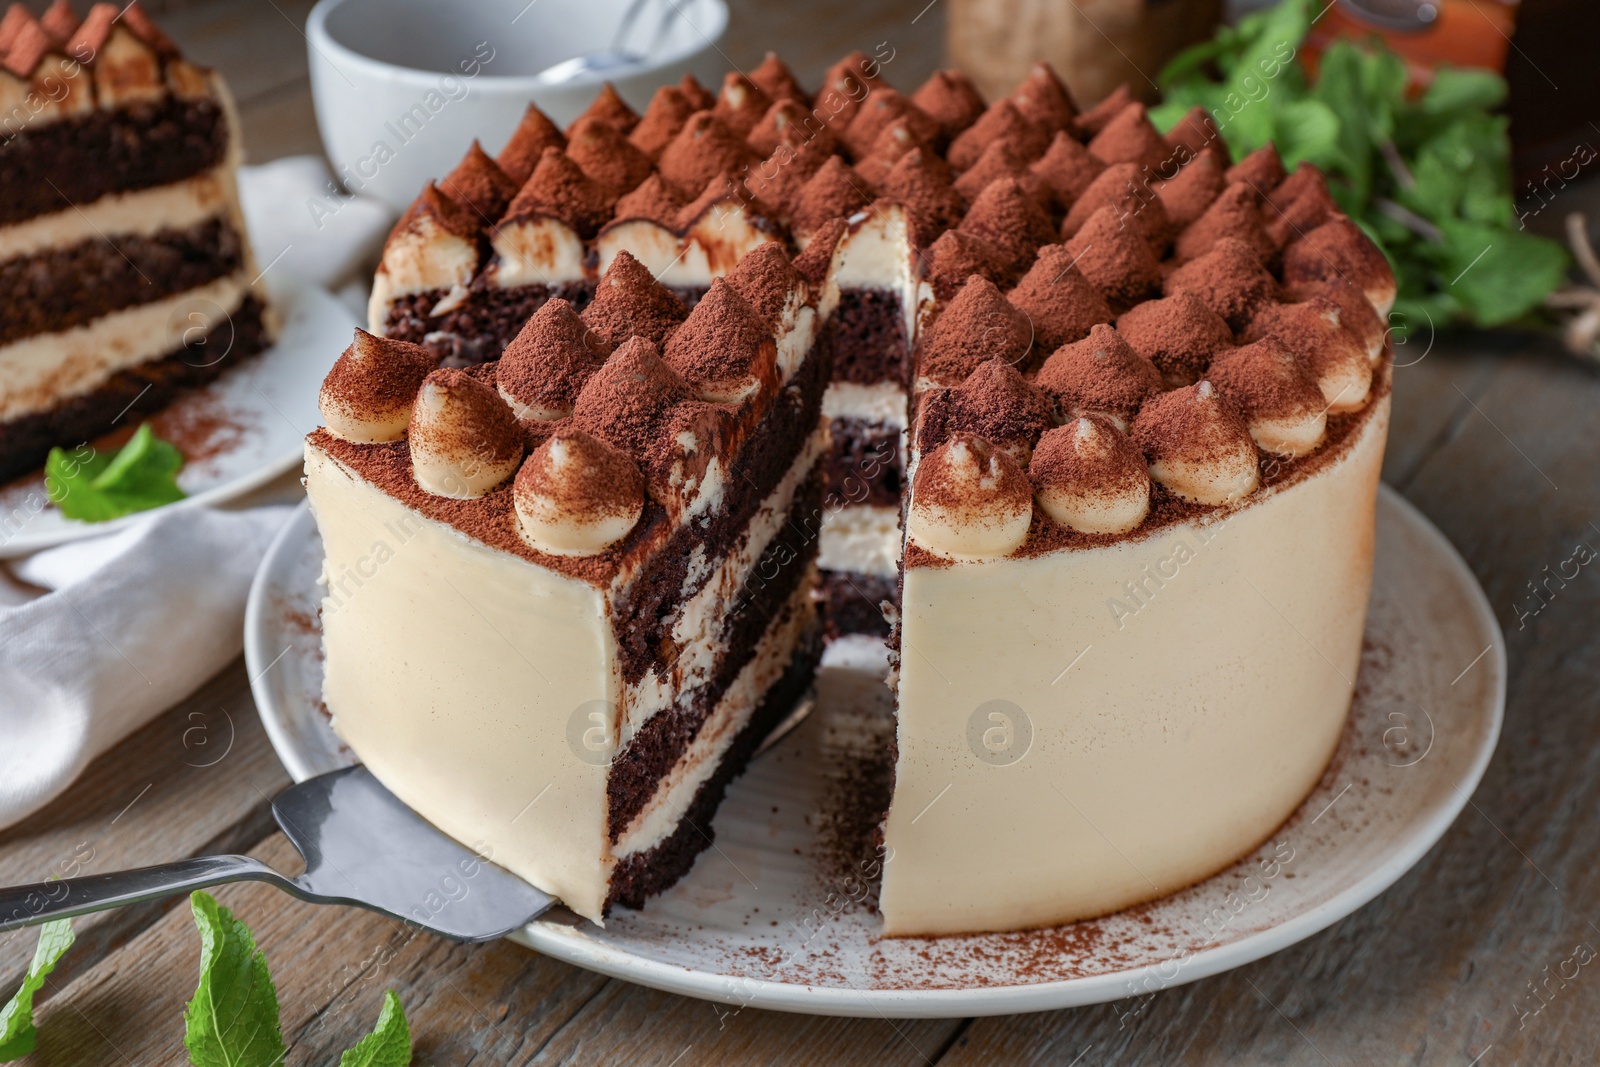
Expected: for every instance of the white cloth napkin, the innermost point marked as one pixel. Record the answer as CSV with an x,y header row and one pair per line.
x,y
99,636
299,223
129,624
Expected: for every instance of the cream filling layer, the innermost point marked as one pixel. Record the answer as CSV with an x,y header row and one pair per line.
x,y
709,249
137,214
1115,723
706,612
422,256
880,402
662,815
536,252
39,372
481,689
877,254
862,538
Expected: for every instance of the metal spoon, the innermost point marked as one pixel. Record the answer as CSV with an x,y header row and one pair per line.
x,y
607,62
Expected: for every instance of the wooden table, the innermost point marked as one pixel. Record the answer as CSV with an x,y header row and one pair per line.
x,y
1494,438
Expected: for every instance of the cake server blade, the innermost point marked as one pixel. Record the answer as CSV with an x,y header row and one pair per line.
x,y
362,847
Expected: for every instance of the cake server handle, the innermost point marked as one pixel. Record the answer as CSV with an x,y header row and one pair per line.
x,y
27,905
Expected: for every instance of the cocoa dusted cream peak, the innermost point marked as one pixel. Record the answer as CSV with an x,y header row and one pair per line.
x,y
1276,394
368,395
1313,330
575,495
464,440
969,500
1089,477
1198,446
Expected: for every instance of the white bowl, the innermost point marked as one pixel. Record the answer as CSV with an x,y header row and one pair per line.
x,y
402,87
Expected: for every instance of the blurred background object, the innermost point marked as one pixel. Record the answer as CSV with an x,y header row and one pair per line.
x,y
1095,45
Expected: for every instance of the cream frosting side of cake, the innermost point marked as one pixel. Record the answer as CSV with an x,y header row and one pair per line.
x,y
1182,694
527,790
45,369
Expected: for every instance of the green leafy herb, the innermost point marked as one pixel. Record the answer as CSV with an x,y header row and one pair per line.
x,y
389,1044
1428,177
97,486
17,1035
233,1019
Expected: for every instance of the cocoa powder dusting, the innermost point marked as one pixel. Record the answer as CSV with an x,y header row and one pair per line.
x,y
526,147
1008,217
629,302
951,100
1060,302
1101,373
1180,334
978,325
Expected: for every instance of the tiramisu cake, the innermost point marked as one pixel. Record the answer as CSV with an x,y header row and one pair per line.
x,y
1139,393
571,588
123,255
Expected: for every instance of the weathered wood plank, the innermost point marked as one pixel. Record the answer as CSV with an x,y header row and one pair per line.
x,y
259,47
280,124
194,781
635,1025
1435,379
331,965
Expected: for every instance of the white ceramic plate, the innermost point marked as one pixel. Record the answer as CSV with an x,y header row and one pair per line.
x,y
237,433
767,919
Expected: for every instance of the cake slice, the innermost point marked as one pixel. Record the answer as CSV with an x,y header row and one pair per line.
x,y
123,253
570,589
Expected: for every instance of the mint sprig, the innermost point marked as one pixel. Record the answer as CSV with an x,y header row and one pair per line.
x,y
97,486
389,1044
17,1034
1428,177
233,1019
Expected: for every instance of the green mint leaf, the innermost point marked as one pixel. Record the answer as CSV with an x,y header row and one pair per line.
x,y
94,487
233,1019
389,1044
68,477
17,1035
1460,89
1305,130
1499,274
127,459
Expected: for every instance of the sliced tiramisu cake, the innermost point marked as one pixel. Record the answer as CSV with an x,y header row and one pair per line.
x,y
1142,392
570,589
690,188
123,255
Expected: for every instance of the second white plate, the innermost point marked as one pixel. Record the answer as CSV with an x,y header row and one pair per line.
x,y
766,918
237,433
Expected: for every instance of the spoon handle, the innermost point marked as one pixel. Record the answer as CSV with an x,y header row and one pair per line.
x,y
26,905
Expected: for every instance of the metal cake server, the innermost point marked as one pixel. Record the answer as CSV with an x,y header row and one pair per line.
x,y
361,845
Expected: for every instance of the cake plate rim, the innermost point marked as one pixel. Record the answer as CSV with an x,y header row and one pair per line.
x,y
307,750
